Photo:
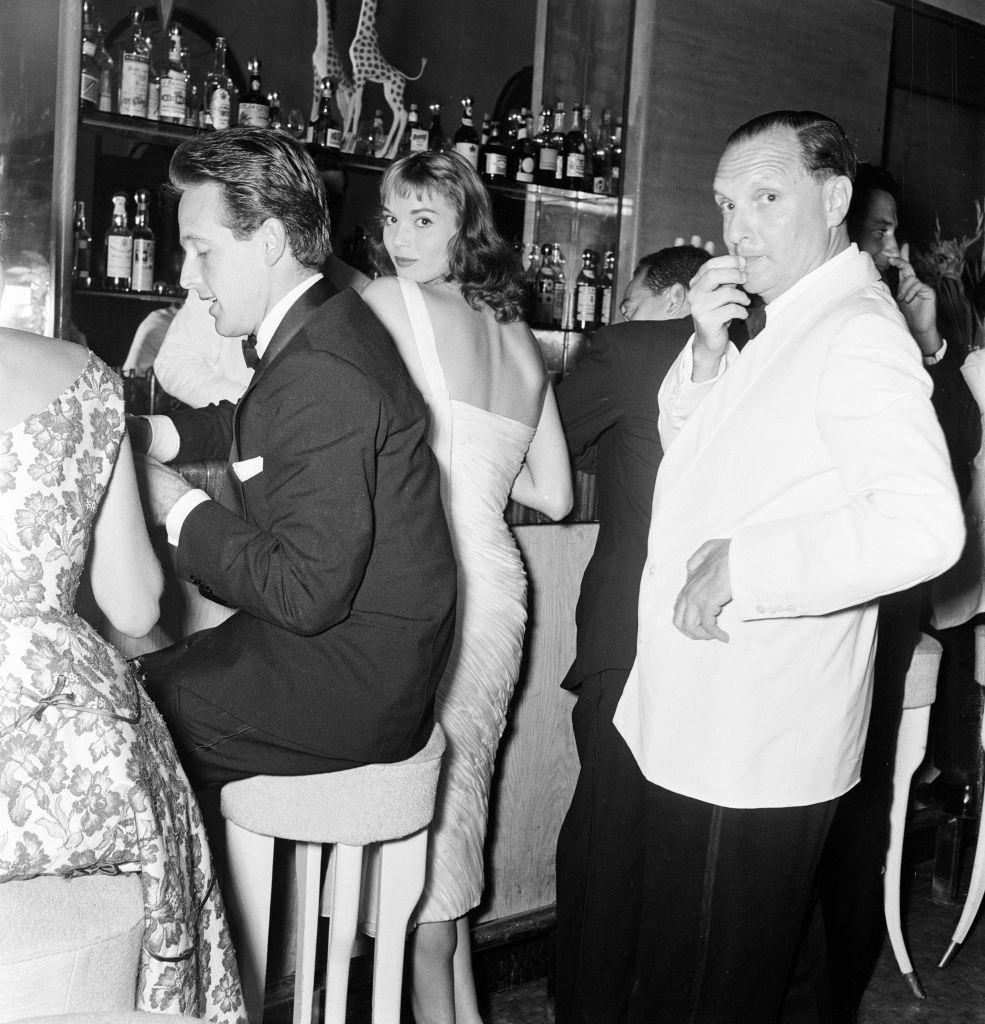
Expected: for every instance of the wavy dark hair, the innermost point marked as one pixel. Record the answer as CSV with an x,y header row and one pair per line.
x,y
262,173
479,260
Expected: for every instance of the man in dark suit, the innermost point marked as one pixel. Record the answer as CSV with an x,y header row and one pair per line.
x,y
608,405
329,537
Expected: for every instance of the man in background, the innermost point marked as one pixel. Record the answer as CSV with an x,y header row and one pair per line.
x,y
608,406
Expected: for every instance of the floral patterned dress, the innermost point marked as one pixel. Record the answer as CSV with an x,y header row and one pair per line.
x,y
89,778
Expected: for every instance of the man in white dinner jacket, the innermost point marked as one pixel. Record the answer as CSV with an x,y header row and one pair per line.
x,y
801,481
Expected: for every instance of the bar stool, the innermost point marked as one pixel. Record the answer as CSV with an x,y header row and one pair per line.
x,y
911,745
976,887
389,804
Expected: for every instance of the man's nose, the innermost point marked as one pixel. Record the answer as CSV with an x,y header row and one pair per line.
x,y
188,277
890,246
736,229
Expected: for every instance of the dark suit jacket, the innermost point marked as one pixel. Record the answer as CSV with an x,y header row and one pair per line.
x,y
338,555
610,398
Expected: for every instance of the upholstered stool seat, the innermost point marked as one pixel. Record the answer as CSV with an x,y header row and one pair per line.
x,y
69,944
911,745
388,804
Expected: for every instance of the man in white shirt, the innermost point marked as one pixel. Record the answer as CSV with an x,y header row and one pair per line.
x,y
801,481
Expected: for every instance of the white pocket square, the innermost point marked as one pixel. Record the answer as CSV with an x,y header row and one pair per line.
x,y
248,468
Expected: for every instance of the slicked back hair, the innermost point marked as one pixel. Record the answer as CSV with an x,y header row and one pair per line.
x,y
824,146
262,173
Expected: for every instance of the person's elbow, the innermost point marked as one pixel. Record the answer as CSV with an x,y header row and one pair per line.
x,y
557,505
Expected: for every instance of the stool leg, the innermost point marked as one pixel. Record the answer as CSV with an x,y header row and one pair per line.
x,y
307,871
344,881
250,858
911,744
402,867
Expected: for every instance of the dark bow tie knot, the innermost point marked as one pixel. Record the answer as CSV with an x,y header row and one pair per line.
x,y
756,320
250,356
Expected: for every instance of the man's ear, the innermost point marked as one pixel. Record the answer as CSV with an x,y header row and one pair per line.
x,y
274,238
676,297
837,198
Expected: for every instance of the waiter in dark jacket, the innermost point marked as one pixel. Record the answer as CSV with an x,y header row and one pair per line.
x,y
608,405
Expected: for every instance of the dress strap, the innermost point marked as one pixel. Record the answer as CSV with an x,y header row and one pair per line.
x,y
436,391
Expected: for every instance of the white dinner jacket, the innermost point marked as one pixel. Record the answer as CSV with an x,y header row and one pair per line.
x,y
819,455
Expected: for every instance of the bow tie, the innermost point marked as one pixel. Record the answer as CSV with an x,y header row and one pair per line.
x,y
250,356
756,320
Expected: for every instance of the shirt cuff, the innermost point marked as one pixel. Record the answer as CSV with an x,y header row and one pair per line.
x,y
179,511
937,356
165,441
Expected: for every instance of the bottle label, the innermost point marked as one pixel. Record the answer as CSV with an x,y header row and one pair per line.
x,y
495,165
119,256
418,140
599,185
544,300
525,169
133,85
547,161
173,91
105,91
468,151
88,88
560,294
255,115
89,47
333,138
575,166
585,304
604,303
219,108
142,272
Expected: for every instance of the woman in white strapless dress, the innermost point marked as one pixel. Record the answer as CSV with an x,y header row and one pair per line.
x,y
454,311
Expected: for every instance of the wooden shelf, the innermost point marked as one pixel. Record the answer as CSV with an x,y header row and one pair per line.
x,y
105,293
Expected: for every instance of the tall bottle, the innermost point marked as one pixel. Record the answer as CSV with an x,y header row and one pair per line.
x,y
586,293
219,112
602,156
89,70
523,156
617,142
605,288
327,128
557,137
142,263
134,69
547,153
81,249
107,69
414,138
560,319
465,140
174,81
543,309
436,135
574,154
119,247
494,156
254,108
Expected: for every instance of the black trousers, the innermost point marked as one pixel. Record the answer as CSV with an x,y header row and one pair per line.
x,y
727,901
599,865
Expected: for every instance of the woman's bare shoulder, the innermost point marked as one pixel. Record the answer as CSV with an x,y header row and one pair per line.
x,y
34,356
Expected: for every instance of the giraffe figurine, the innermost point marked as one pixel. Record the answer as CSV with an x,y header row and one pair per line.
x,y
326,62
369,65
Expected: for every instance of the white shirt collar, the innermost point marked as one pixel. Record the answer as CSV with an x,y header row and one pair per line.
x,y
807,281
272,320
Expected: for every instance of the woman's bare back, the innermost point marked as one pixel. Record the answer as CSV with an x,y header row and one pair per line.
x,y
33,372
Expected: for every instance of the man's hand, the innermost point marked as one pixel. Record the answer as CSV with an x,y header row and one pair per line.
x,y
707,591
159,486
716,298
917,302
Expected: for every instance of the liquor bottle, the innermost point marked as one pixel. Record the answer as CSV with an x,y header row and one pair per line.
x,y
134,69
436,135
523,156
605,288
557,135
81,249
586,130
327,129
89,71
586,293
530,281
142,264
574,154
547,153
219,111
277,116
484,131
254,108
465,140
414,138
174,81
543,311
194,111
119,247
602,156
154,95
559,318
374,138
495,156
616,157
